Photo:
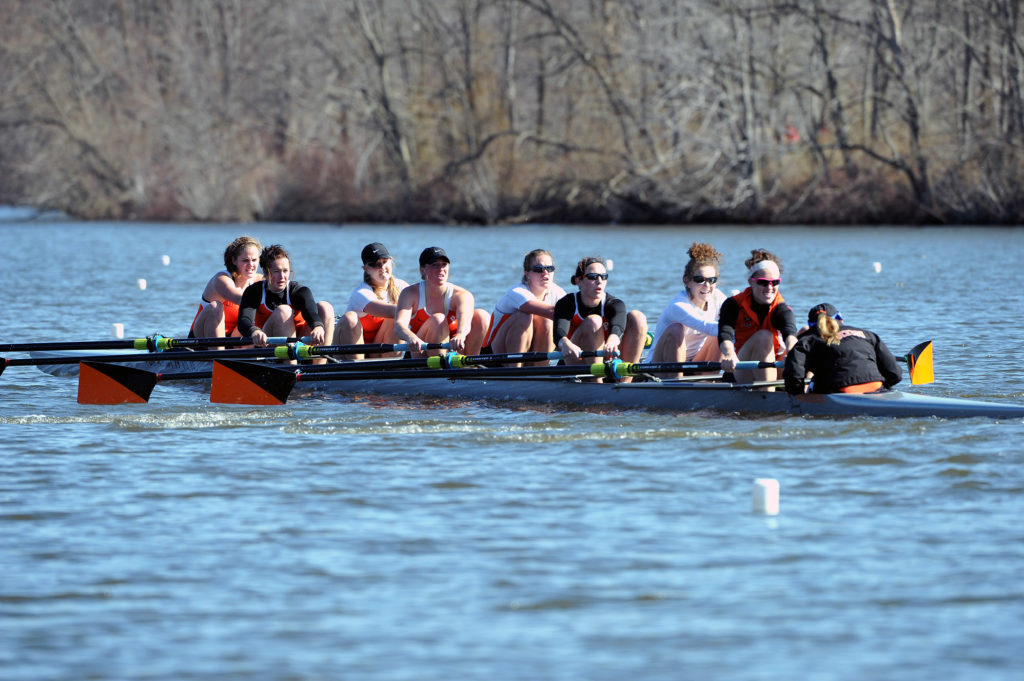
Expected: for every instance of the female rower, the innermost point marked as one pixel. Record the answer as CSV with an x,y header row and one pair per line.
x,y
278,306
218,313
371,307
522,318
687,329
757,324
437,311
842,358
591,320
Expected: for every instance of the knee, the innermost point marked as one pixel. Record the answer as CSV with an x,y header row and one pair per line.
x,y
350,319
638,320
325,309
481,318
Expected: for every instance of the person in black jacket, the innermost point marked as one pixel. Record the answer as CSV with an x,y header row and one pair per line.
x,y
840,358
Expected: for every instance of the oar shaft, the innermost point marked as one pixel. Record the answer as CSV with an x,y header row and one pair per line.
x,y
153,343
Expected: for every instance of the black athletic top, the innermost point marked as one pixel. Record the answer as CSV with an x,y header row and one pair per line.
x,y
860,357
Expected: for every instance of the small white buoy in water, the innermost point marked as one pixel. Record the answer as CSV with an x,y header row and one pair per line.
x,y
117,329
142,284
765,496
608,264
166,259
878,267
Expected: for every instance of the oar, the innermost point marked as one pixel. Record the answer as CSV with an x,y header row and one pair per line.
x,y
291,351
104,383
155,343
919,362
247,383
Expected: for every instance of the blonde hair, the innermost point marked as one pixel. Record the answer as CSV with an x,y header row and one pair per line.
x,y
391,289
828,328
235,248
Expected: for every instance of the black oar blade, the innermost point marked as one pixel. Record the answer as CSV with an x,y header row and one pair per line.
x,y
102,383
245,383
919,361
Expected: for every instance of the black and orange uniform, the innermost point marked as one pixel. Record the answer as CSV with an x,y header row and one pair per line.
x,y
742,316
860,363
258,303
570,313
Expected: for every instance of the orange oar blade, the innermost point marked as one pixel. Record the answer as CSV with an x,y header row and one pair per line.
x,y
245,383
102,383
920,362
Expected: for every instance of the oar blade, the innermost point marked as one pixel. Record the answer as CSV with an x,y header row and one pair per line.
x,y
102,383
246,383
919,361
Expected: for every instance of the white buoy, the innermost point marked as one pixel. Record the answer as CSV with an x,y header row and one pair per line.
x,y
142,284
166,259
608,264
878,267
765,496
117,329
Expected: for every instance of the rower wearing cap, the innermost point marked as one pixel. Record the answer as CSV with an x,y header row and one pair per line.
x,y
841,358
436,311
371,307
280,306
757,324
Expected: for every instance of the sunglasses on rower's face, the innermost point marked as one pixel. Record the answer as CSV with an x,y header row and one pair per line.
x,y
594,276
767,282
542,268
698,279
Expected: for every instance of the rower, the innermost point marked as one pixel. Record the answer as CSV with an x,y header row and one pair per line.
x,y
437,311
522,319
591,320
757,324
371,307
218,313
841,358
279,306
687,329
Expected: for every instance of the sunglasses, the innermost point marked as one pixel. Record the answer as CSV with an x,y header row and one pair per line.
x,y
542,268
698,279
767,282
594,276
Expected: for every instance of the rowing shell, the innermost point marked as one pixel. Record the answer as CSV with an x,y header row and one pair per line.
x,y
675,396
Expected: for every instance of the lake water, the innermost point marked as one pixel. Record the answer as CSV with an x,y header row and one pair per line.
x,y
336,538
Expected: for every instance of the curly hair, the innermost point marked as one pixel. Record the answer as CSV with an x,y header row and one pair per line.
x,y
761,255
235,248
701,255
582,265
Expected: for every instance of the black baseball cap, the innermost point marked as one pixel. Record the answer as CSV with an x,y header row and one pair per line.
x,y
374,252
433,254
827,309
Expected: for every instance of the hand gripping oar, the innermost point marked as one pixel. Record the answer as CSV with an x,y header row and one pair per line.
x,y
249,383
155,343
104,383
290,351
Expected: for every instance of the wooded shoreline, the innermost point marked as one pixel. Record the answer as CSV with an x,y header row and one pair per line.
x,y
515,111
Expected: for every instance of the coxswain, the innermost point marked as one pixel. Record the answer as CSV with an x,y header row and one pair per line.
x,y
832,357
